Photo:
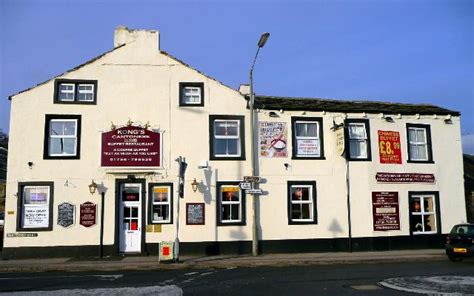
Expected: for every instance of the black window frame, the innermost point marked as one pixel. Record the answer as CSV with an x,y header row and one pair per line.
x,y
437,212
241,119
219,185
429,145
366,122
48,118
150,203
20,207
76,82
182,85
319,120
314,197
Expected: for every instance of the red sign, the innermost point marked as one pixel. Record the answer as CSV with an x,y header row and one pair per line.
x,y
389,147
404,178
131,146
87,216
385,211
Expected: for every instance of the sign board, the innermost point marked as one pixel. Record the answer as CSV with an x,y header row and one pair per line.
x,y
195,214
66,214
254,191
87,216
252,179
166,251
131,146
385,211
245,185
273,139
22,234
340,141
404,178
389,147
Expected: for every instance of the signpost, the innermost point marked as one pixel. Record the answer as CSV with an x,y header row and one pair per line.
x,y
254,191
245,185
255,179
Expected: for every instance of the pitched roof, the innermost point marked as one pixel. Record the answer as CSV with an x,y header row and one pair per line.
x,y
330,105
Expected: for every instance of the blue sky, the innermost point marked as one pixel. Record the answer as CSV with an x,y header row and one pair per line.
x,y
399,51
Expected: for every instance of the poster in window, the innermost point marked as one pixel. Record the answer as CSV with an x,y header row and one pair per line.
x,y
389,147
308,147
66,214
36,216
195,214
273,139
385,211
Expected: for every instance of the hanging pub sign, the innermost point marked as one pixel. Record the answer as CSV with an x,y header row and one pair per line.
x,y
385,211
87,216
404,178
389,147
66,214
340,141
131,146
273,139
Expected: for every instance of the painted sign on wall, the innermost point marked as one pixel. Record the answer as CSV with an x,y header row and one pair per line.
x,y
389,147
273,139
87,216
131,146
404,178
66,214
385,211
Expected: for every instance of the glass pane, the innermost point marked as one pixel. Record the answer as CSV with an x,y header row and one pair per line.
x,y
233,147
66,96
300,193
69,146
220,128
357,131
412,135
134,224
429,222
57,128
160,194
126,224
69,128
134,212
306,129
296,211
66,87
417,224
305,211
418,152
220,147
428,204
415,204
358,148
84,97
36,195
160,212
226,212
55,146
235,212
126,212
85,87
420,135
230,196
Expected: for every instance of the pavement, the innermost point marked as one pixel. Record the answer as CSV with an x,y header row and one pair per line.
x,y
222,261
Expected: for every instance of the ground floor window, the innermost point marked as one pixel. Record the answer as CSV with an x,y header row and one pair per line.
x,y
231,204
301,202
160,200
35,211
424,213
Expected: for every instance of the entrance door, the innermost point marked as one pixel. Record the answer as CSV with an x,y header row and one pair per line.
x,y
130,218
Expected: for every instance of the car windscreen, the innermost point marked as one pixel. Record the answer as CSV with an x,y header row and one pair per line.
x,y
463,229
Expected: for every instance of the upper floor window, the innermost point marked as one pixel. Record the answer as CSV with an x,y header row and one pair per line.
x,y
75,91
227,137
62,136
358,134
35,206
307,138
419,143
301,202
191,94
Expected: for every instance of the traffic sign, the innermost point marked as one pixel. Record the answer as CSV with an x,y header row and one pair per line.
x,y
254,191
252,179
245,185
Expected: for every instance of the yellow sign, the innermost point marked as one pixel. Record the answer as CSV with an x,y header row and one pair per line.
x,y
230,189
160,190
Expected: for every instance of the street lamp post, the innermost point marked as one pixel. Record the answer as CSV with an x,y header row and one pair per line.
x,y
261,43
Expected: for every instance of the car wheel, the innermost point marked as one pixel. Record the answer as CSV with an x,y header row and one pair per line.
x,y
454,258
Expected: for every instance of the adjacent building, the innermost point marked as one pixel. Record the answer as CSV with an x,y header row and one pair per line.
x,y
168,149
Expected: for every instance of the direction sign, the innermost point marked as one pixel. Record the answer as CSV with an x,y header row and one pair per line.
x,y
245,185
254,191
252,179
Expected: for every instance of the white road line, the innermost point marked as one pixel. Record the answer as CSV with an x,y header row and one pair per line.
x,y
191,273
127,291
207,273
107,277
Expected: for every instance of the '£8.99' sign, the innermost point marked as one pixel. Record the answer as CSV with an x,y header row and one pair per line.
x,y
389,147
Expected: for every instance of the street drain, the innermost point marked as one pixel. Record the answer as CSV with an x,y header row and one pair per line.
x,y
366,287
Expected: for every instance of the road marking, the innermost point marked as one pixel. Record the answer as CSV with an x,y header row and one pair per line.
x,y
191,273
207,273
151,290
438,285
106,277
366,287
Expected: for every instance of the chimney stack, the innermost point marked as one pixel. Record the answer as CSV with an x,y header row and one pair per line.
x,y
144,38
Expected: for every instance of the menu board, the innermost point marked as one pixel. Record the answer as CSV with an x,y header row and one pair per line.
x,y
87,216
389,147
195,214
385,211
66,214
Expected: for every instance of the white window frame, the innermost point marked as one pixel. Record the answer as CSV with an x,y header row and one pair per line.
x,y
227,137
161,203
185,95
230,203
359,139
33,206
413,143
317,138
302,202
422,213
73,91
51,136
86,92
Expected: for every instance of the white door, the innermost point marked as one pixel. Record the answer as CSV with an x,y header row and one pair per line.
x,y
130,218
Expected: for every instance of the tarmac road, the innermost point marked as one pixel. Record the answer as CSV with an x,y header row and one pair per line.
x,y
352,279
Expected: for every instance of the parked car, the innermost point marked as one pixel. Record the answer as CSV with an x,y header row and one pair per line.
x,y
460,242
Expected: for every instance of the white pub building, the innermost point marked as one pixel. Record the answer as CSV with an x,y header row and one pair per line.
x,y
135,148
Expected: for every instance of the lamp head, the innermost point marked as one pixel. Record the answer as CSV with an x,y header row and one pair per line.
x,y
263,39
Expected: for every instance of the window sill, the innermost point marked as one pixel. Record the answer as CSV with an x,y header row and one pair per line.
x,y
228,158
359,159
420,161
61,157
308,158
302,222
50,228
231,224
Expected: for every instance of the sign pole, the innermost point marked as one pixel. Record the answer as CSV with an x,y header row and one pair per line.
x,y
102,210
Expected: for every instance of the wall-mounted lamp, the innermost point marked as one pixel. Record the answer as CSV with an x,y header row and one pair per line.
x,y
30,164
448,120
273,114
194,185
92,187
388,119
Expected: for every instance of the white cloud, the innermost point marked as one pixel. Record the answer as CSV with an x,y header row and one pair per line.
x,y
468,144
